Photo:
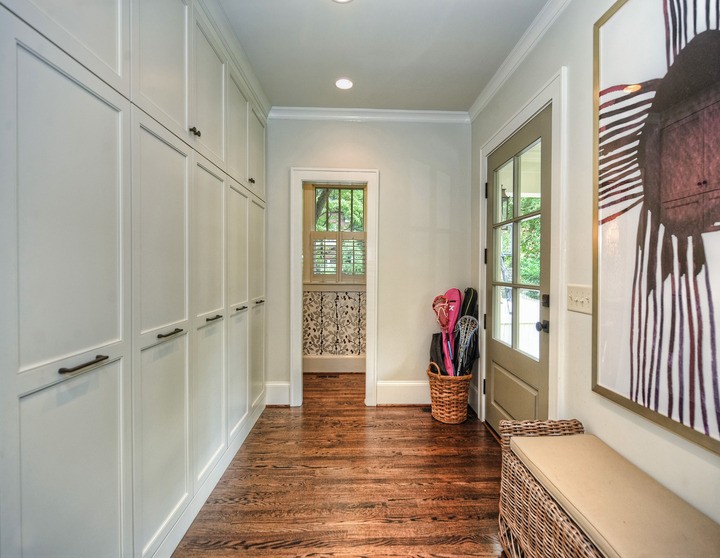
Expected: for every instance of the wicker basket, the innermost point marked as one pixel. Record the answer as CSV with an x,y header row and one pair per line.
x,y
449,395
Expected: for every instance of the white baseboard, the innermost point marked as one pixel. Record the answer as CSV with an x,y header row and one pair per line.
x,y
333,363
278,393
403,393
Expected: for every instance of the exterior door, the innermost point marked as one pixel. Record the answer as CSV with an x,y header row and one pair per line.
x,y
518,274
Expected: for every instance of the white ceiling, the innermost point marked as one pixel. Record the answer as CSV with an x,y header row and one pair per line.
x,y
401,54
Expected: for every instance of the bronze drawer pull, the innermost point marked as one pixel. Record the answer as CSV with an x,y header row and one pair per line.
x,y
164,335
97,359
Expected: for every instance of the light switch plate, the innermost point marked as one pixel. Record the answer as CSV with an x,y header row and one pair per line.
x,y
579,298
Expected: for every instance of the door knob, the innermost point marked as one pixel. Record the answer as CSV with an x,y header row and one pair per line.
x,y
543,326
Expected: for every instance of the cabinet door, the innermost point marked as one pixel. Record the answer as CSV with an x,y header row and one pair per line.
x,y
163,485
256,249
237,154
162,175
161,69
256,154
65,475
209,233
237,359
208,373
210,70
210,437
257,353
161,181
71,456
97,34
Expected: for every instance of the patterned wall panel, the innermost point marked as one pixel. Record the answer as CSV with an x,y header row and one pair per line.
x,y
334,323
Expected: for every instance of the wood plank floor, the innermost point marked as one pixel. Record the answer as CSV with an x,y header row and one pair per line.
x,y
336,478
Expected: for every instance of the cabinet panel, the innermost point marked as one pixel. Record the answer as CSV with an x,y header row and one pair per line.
x,y
237,370
94,33
209,100
161,177
237,154
69,184
72,440
208,222
257,353
161,72
162,476
256,249
237,240
256,153
209,397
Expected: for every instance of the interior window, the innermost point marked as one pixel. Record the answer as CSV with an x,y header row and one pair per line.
x,y
335,237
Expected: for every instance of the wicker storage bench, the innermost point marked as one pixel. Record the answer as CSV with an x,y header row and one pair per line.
x,y
566,493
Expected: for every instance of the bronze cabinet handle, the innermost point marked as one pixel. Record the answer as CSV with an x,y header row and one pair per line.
x,y
215,317
98,358
240,308
164,335
195,131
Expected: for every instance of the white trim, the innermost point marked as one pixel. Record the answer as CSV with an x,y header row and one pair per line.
x,y
403,393
554,92
544,20
277,393
298,176
369,115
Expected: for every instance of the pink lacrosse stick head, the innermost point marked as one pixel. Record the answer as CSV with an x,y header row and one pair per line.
x,y
440,306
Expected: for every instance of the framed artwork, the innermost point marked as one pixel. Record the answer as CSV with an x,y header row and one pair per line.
x,y
656,279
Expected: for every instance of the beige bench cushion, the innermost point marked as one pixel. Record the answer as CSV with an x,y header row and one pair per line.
x,y
621,509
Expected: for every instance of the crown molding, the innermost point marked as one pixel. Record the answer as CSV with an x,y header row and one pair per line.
x,y
544,20
369,115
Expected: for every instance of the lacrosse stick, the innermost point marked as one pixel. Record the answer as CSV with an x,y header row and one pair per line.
x,y
466,328
440,306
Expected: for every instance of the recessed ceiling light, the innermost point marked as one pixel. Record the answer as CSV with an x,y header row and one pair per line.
x,y
343,83
342,1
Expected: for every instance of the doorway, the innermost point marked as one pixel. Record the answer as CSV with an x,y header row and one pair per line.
x,y
518,274
298,178
334,290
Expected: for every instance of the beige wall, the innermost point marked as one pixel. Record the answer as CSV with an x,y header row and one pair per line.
x,y
424,225
683,467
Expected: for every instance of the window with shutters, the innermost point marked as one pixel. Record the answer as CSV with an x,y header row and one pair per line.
x,y
335,237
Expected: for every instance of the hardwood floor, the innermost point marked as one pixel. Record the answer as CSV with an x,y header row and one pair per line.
x,y
336,478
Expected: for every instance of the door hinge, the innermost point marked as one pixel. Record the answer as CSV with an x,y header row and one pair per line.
x,y
486,189
484,321
483,386
485,255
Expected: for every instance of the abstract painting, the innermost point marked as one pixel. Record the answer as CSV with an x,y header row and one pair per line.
x,y
657,213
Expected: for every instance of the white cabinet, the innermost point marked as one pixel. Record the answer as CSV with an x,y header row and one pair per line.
x,y
256,153
161,50
132,274
162,175
256,283
207,117
97,34
65,473
208,377
237,309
